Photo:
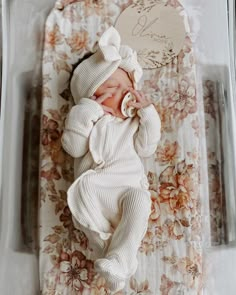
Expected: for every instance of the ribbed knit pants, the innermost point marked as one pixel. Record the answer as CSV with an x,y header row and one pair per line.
x,y
127,209
120,261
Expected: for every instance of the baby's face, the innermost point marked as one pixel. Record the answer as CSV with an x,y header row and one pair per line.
x,y
118,84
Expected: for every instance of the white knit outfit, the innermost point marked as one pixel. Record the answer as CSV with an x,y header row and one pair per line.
x,y
109,199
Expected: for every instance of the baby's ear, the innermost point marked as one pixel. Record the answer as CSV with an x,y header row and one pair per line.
x,y
134,84
131,76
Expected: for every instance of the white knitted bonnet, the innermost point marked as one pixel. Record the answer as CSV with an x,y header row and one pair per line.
x,y
96,69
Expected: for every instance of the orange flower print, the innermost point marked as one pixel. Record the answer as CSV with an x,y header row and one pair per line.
x,y
185,54
178,191
216,196
172,229
151,86
153,240
53,38
51,174
181,102
76,272
188,267
123,6
78,41
99,287
173,3
66,218
56,152
209,93
50,130
140,288
168,153
79,237
196,126
156,210
179,184
165,116
51,288
94,7
169,287
191,272
153,181
62,3
147,246
166,285
72,14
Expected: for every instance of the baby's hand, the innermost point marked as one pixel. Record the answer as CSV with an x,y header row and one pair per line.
x,y
101,99
141,100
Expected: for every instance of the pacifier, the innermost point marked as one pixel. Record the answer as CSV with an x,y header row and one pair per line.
x,y
128,111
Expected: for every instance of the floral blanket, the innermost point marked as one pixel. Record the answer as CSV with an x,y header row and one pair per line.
x,y
170,256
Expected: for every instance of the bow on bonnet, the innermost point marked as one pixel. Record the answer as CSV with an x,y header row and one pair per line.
x,y
109,44
109,56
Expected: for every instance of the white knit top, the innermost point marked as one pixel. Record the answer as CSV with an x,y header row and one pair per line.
x,y
111,148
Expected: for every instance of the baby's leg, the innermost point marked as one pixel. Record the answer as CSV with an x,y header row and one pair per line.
x,y
121,261
87,211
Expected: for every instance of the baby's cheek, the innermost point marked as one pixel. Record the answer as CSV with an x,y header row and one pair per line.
x,y
111,103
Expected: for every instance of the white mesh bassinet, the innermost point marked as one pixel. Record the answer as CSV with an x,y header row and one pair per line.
x,y
170,256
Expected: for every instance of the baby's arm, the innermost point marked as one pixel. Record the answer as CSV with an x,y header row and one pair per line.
x,y
78,126
149,131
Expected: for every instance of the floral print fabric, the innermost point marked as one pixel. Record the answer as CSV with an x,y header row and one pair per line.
x,y
170,256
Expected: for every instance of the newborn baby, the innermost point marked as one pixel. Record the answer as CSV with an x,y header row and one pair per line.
x,y
112,92
109,199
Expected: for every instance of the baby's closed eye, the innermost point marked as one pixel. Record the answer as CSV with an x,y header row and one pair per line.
x,y
111,84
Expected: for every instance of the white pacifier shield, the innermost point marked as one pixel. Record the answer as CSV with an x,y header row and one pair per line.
x,y
125,110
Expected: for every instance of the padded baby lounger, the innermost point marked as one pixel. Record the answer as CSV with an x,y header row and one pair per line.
x,y
170,256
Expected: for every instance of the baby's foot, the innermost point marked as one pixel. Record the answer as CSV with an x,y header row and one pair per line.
x,y
113,270
114,284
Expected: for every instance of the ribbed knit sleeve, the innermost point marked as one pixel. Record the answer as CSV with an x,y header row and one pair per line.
x,y
78,126
149,131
